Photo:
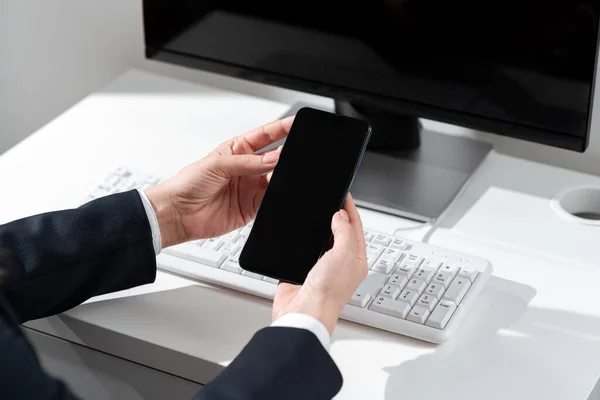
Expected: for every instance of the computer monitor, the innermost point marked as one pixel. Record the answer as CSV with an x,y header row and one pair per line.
x,y
523,69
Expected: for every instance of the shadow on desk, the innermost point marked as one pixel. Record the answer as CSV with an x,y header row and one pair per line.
x,y
504,349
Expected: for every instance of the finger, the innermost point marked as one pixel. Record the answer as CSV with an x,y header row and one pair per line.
x,y
270,173
247,164
267,134
344,235
275,150
259,195
356,222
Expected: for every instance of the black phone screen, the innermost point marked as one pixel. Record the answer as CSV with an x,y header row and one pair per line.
x,y
308,186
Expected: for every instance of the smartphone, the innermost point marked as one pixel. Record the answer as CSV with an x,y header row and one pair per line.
x,y
318,162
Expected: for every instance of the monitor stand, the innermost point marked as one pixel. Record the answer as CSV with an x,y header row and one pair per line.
x,y
408,171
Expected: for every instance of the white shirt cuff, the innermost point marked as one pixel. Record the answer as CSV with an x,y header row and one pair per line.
x,y
294,320
156,239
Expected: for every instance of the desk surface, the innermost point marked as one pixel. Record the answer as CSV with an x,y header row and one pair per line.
x,y
533,333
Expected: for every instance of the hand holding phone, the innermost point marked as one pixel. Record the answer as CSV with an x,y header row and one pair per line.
x,y
316,167
334,278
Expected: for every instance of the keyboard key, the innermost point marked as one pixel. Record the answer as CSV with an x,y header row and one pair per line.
x,y
201,255
393,254
427,300
372,284
418,314
443,278
457,290
360,299
436,290
373,253
433,264
398,280
113,180
271,280
468,273
375,250
451,268
213,243
368,236
425,274
385,305
371,260
252,275
416,285
235,257
409,296
382,240
230,249
413,259
234,236
407,270
441,314
384,265
390,291
232,265
400,244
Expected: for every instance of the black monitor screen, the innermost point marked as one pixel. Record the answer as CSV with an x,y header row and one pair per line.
x,y
521,68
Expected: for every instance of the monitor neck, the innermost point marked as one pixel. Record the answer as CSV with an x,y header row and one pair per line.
x,y
390,131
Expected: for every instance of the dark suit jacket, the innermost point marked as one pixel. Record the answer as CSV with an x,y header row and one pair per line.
x,y
55,261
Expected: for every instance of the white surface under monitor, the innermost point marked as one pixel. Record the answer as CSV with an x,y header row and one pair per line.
x,y
534,332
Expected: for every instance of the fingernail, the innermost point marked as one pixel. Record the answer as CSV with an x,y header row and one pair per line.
x,y
344,215
271,157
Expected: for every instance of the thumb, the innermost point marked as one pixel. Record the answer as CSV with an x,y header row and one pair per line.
x,y
246,164
343,233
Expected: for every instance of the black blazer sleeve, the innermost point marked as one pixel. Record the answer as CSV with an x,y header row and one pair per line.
x,y
278,363
53,262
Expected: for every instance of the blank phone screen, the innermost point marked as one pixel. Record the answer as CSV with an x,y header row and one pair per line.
x,y
308,186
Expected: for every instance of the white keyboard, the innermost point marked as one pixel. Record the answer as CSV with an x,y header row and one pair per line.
x,y
412,288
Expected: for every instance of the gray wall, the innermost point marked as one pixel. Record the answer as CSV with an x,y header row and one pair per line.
x,y
55,52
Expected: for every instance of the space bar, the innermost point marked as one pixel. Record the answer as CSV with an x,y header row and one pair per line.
x,y
197,254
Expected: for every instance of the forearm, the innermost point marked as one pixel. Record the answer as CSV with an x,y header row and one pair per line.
x,y
56,261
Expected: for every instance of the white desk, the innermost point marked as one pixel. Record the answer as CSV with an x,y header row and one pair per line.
x,y
533,334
